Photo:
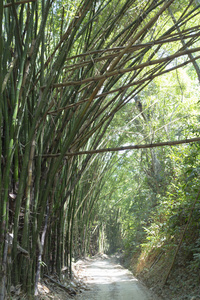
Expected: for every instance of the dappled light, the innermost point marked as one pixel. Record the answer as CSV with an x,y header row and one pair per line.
x,y
105,278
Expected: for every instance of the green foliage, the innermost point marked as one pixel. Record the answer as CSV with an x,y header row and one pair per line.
x,y
171,215
155,189
195,264
80,75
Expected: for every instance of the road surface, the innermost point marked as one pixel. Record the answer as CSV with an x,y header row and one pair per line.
x,y
106,279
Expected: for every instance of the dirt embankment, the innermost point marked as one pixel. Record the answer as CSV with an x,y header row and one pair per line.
x,y
183,282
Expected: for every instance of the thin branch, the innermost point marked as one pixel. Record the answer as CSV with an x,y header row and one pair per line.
x,y
19,2
124,87
184,44
69,290
116,50
123,71
165,39
149,78
124,148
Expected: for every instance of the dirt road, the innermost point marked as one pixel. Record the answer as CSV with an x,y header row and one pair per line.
x,y
106,279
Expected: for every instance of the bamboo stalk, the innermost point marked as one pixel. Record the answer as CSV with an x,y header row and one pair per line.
x,y
3,246
19,2
196,67
56,120
134,48
123,71
145,79
124,148
125,87
78,16
161,40
8,74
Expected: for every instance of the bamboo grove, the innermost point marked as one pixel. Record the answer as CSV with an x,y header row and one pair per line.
x,y
66,69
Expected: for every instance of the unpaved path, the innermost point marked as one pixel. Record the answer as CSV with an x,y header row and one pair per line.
x,y
106,279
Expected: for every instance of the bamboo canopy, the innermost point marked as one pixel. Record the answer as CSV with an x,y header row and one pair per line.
x,y
65,73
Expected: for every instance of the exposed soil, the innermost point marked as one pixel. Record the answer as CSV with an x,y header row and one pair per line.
x,y
182,284
107,279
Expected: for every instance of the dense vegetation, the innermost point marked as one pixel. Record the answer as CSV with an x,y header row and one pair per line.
x,y
77,76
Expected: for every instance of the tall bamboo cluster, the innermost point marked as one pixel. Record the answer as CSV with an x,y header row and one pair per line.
x,y
65,72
